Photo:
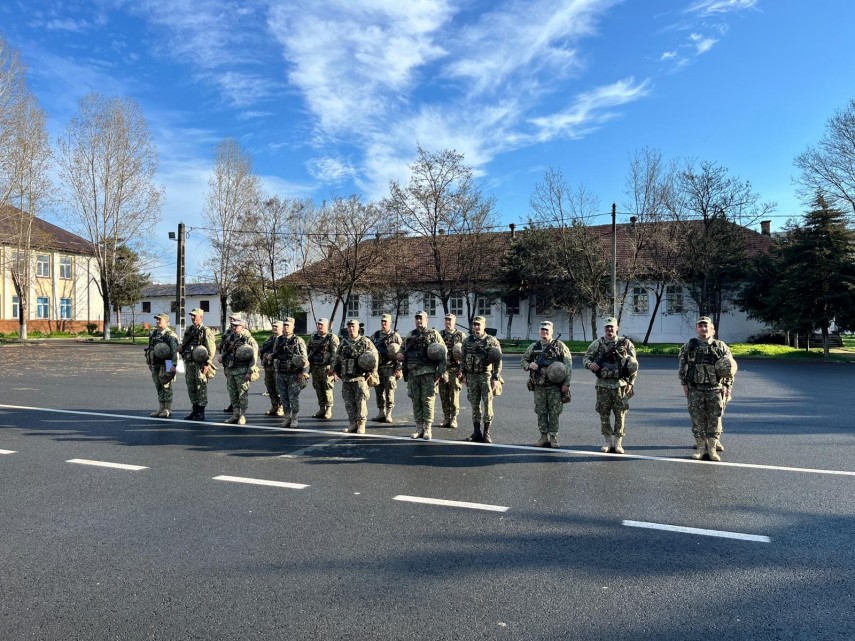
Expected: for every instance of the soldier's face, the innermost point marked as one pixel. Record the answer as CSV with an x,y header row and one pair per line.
x,y
197,319
322,328
384,325
477,329
611,331
704,330
161,323
353,330
449,323
277,330
421,322
545,333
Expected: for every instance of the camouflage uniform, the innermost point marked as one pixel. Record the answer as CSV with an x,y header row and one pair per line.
x,y
421,375
223,339
290,377
322,349
611,386
547,394
354,388
387,368
237,371
197,382
706,393
264,351
449,384
480,376
159,375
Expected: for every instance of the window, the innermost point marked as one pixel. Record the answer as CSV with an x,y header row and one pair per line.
x,y
455,305
43,307
512,309
640,300
674,300
146,307
404,305
378,305
173,306
43,266
352,307
16,309
429,302
205,305
65,267
65,308
484,306
540,306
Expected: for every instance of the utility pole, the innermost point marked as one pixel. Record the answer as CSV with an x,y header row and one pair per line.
x,y
180,288
614,260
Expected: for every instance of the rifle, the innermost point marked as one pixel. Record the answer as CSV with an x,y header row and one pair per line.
x,y
539,361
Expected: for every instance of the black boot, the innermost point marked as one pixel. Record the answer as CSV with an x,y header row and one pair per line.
x,y
487,438
200,413
476,433
192,415
229,409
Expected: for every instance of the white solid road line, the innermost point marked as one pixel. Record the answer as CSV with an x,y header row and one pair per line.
x,y
471,506
7,452
118,466
389,437
240,479
694,530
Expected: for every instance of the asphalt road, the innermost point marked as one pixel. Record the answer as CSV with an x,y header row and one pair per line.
x,y
339,543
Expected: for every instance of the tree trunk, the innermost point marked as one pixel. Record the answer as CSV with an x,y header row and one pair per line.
x,y
652,318
107,315
825,341
594,323
224,302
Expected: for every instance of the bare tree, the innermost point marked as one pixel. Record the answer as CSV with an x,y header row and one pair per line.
x,y
347,237
107,162
442,204
233,198
13,92
828,169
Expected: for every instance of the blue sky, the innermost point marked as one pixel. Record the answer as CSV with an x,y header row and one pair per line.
x,y
331,97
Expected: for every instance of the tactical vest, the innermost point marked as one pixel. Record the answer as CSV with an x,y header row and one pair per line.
x,y
475,354
610,360
320,348
415,352
284,351
230,344
544,356
381,342
349,351
158,336
701,358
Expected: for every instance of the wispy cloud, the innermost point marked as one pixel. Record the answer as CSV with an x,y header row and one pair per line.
x,y
718,7
330,170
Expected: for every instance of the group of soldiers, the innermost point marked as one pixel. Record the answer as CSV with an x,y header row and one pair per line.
x,y
432,363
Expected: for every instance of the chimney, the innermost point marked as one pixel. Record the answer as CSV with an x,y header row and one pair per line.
x,y
513,230
766,227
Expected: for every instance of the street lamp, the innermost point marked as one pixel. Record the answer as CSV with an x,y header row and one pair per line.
x,y
180,289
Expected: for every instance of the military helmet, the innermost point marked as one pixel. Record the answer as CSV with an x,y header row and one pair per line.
x,y
494,355
200,354
436,351
244,353
457,351
725,367
299,361
162,351
393,350
556,372
367,361
630,365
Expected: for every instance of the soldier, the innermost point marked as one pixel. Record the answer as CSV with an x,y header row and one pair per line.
x,y
449,384
481,370
265,353
389,369
162,350
424,364
291,363
612,359
707,370
240,362
197,350
229,331
550,368
322,348
355,361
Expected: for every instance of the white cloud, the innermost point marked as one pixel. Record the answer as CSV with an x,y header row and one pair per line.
x,y
330,170
714,7
702,43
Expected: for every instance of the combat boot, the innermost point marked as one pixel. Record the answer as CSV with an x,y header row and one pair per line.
x,y
389,418
156,413
381,415
272,411
420,431
711,449
719,446
234,418
192,415
476,436
360,427
327,412
619,444
319,413
229,410
543,441
553,440
700,448
200,413
453,424
486,438
446,422
286,423
351,427
294,421
607,447
241,417
166,412
427,433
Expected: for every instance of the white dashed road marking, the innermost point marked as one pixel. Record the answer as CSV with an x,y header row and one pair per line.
x,y
7,451
118,466
471,506
240,479
693,530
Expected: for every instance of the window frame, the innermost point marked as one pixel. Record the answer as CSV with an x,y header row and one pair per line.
x,y
640,301
65,309
43,307
66,262
43,266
